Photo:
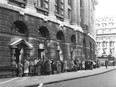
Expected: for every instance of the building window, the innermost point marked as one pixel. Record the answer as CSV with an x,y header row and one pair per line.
x,y
112,44
42,5
104,44
98,44
69,14
97,25
99,31
59,7
104,24
20,3
111,23
69,2
111,51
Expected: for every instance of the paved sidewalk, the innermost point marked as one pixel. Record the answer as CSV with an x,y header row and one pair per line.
x,y
36,80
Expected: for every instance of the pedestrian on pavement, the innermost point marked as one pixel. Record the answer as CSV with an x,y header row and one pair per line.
x,y
83,65
54,67
72,64
76,65
106,63
31,67
65,66
42,67
48,67
58,64
39,67
35,65
62,64
26,67
20,68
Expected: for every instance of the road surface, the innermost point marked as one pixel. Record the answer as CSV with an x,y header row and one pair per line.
x,y
103,80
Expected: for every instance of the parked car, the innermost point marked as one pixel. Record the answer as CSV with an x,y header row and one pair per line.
x,y
88,64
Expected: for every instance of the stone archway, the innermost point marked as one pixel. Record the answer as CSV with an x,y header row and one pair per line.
x,y
44,36
61,39
20,50
44,33
60,36
73,39
73,47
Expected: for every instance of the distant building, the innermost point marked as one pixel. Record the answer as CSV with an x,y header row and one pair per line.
x,y
106,37
45,29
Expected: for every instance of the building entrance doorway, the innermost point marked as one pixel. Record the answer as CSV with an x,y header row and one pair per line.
x,y
20,51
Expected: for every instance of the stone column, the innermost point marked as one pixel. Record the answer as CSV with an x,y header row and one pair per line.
x,y
52,8
78,12
66,19
13,62
75,12
85,11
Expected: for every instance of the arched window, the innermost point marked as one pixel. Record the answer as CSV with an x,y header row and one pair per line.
x,y
60,36
73,39
43,32
19,27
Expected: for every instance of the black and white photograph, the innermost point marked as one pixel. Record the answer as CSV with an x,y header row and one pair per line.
x,y
57,43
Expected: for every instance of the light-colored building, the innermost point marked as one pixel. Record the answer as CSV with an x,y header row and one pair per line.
x,y
45,29
106,36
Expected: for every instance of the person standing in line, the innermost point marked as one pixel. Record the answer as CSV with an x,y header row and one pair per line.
x,y
62,64
20,68
72,64
35,66
38,66
26,67
58,64
31,67
65,66
48,67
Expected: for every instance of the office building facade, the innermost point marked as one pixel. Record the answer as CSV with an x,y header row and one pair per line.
x,y
45,29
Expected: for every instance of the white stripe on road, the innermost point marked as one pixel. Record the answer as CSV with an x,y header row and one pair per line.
x,y
7,81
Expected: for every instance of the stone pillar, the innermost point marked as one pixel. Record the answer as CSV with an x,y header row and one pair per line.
x,y
13,62
78,12
13,57
75,12
52,8
85,11
66,19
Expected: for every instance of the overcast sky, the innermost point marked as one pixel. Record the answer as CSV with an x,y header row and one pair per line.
x,y
105,8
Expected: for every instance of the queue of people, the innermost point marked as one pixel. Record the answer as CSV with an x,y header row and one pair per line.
x,y
40,67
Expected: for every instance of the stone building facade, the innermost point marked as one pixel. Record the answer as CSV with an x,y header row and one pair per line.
x,y
45,29
106,36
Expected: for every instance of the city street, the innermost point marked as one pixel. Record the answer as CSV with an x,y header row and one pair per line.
x,y
103,80
99,77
